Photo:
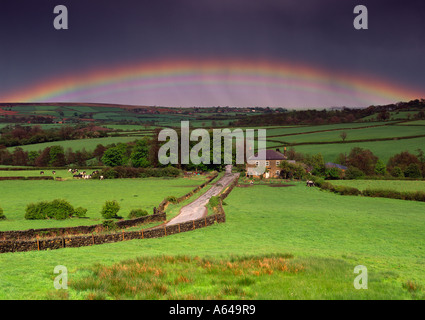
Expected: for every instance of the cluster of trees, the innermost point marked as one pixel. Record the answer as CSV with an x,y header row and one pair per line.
x,y
142,153
362,162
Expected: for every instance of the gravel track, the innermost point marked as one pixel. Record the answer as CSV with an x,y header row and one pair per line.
x,y
197,209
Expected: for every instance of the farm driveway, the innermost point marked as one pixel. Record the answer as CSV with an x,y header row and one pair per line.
x,y
197,209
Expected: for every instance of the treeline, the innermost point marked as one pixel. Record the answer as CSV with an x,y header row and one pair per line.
x,y
18,135
141,153
331,116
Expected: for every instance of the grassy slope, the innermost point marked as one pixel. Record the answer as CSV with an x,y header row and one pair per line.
x,y
328,234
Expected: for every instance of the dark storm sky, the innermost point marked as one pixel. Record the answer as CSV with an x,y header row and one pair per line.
x,y
112,33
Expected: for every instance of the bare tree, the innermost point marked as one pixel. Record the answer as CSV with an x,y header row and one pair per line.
x,y
343,135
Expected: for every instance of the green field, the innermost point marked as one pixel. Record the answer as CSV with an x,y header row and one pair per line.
x,y
76,145
327,234
354,134
91,194
382,149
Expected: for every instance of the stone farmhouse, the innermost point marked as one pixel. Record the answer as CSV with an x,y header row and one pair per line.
x,y
271,161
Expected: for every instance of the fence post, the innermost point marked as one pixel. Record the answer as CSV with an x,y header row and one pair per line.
x,y
38,243
193,224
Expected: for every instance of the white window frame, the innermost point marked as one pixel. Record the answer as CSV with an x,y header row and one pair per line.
x,y
267,163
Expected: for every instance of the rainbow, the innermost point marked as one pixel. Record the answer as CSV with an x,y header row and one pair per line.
x,y
176,78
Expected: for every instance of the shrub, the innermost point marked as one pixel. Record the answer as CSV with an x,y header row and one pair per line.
x,y
413,171
334,173
383,193
318,181
214,201
58,209
109,225
327,186
80,212
110,209
354,173
346,191
2,216
397,172
171,199
137,213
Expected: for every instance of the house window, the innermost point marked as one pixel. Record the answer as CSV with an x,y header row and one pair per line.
x,y
277,162
267,163
257,163
277,172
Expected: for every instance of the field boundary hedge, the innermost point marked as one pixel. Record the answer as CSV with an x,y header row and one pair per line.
x,y
373,193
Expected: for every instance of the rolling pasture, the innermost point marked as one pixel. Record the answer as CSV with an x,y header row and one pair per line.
x,y
289,242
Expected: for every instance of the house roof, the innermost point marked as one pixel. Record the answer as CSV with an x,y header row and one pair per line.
x,y
269,155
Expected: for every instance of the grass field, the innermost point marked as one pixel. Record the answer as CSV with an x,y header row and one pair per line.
x,y
76,145
327,234
355,134
382,149
91,194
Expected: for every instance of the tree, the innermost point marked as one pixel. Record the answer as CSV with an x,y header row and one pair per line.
x,y
413,171
397,172
57,156
363,159
402,160
421,158
19,157
43,159
99,151
343,136
380,168
316,162
290,170
114,157
139,156
110,209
